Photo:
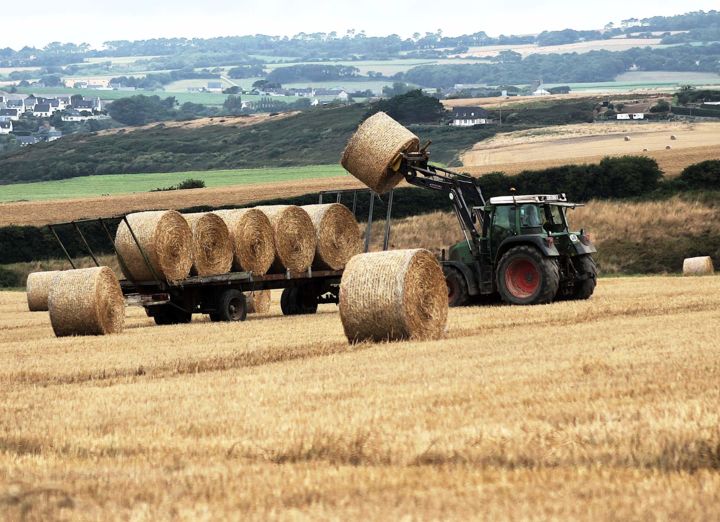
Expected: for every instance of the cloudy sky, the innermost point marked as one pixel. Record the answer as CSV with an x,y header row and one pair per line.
x,y
96,21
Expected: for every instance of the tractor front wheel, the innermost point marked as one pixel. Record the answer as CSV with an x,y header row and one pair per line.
x,y
526,277
457,287
586,267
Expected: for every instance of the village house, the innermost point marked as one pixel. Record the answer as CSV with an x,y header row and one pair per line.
x,y
42,110
24,141
469,116
10,114
6,127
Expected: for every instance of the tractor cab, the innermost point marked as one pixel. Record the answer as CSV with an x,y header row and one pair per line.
x,y
526,253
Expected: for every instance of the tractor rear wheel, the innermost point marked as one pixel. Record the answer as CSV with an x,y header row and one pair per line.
x,y
586,267
526,277
458,294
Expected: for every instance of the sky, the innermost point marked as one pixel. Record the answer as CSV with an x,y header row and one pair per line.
x,y
96,21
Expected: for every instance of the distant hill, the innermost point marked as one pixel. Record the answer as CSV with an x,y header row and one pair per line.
x,y
309,138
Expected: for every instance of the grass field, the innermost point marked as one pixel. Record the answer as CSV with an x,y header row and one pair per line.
x,y
587,143
605,409
112,184
613,44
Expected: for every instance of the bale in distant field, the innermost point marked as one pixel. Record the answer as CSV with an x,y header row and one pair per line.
x,y
258,301
166,238
698,266
294,236
337,233
212,246
38,288
398,294
627,138
374,148
673,137
87,301
253,239
668,147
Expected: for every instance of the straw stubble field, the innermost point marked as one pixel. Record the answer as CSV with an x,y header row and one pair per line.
x,y
588,410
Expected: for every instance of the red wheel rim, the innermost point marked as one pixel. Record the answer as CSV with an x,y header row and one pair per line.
x,y
522,278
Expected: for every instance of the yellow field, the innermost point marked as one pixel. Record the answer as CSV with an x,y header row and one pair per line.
x,y
613,44
588,143
606,409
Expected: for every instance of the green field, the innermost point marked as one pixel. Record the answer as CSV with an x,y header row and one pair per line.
x,y
89,186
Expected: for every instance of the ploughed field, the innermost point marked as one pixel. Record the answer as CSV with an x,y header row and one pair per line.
x,y
604,409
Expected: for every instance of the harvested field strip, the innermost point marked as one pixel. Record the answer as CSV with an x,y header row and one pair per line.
x,y
611,404
44,212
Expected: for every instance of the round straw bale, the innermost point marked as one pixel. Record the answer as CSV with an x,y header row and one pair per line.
x,y
166,238
627,138
258,301
668,147
374,148
87,301
252,236
294,236
337,233
212,247
393,295
673,137
698,266
38,288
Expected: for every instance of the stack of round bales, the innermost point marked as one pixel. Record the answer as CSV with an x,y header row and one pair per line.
x,y
38,289
337,234
252,237
258,301
393,295
212,247
87,301
294,237
166,239
373,151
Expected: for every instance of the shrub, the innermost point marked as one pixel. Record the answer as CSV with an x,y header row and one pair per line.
x,y
189,183
704,175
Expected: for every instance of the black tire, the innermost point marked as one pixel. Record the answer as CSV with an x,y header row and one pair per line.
x,y
169,314
526,277
586,267
298,301
231,307
458,294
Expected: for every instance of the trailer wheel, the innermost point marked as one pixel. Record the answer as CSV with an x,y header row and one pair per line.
x,y
168,314
231,306
298,301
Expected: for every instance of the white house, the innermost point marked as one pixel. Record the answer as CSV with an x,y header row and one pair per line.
x,y
343,96
6,127
638,116
16,104
43,110
541,92
10,114
623,117
469,116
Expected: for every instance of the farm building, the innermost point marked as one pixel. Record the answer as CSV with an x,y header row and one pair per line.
x,y
468,116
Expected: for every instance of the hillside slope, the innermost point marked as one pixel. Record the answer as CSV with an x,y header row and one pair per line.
x,y
315,137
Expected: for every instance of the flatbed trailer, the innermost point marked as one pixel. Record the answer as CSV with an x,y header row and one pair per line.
x,y
223,297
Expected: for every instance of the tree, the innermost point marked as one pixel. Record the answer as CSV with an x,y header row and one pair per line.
x,y
233,105
412,107
140,109
232,90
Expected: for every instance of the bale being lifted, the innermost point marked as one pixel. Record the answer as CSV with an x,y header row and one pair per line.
x,y
698,266
337,234
258,301
373,150
294,237
252,236
38,289
212,247
398,294
87,301
166,238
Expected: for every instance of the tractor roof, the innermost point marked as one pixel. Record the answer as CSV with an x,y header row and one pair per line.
x,y
535,198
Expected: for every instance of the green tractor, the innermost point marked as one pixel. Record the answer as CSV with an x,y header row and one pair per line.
x,y
518,247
